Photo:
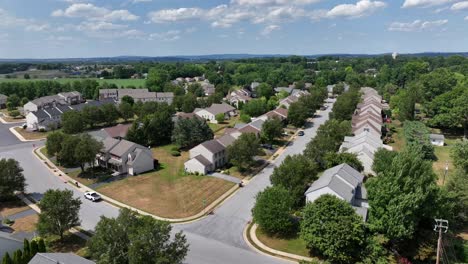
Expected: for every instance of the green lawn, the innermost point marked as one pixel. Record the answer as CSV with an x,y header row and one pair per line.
x,y
119,82
294,245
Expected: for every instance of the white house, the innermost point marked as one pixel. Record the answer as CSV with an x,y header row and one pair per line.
x,y
210,113
344,182
437,139
206,157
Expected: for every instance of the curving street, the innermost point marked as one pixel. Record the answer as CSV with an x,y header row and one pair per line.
x,y
216,238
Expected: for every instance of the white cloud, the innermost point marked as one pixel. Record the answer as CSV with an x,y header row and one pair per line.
x,y
8,20
38,27
268,29
424,3
99,26
361,8
466,18
173,15
141,1
272,2
460,6
170,35
280,14
417,25
92,12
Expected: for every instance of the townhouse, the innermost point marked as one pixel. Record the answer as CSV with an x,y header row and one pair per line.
x,y
209,114
138,95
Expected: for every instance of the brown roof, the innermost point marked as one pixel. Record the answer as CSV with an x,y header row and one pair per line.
x,y
226,140
367,124
119,130
282,111
249,129
213,146
230,130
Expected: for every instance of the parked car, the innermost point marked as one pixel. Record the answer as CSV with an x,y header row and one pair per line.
x,y
92,196
300,133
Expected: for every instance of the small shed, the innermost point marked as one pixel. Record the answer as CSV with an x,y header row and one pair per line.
x,y
437,139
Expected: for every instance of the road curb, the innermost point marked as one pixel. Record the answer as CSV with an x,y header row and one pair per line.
x,y
257,245
83,188
9,123
20,137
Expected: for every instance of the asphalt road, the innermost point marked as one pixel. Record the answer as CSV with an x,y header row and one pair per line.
x,y
214,239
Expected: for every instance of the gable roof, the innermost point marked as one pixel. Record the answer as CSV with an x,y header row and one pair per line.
x,y
226,140
223,108
213,146
109,143
122,147
58,258
119,130
202,160
342,179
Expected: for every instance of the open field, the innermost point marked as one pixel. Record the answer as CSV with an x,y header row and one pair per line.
x,y
293,245
28,135
119,82
443,159
167,192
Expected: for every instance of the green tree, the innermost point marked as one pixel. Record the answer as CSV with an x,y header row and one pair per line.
x,y
459,154
272,211
158,128
264,90
220,118
126,111
66,156
110,113
255,107
7,259
382,160
73,122
245,118
402,196
345,105
156,79
26,249
131,238
34,248
41,246
333,159
59,212
331,227
54,142
241,153
86,150
190,132
11,178
298,114
272,129
295,174
92,115
128,99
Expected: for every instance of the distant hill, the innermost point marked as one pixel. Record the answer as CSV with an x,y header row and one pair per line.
x,y
201,58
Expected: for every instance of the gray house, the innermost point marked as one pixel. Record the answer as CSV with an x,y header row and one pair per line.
x,y
125,157
58,258
344,182
437,139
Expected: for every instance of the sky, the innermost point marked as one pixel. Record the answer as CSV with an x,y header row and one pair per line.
x,y
101,28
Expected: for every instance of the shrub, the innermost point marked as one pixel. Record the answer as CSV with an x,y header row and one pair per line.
x,y
14,113
42,130
175,153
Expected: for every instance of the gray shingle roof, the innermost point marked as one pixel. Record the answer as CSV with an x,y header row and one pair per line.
x,y
226,140
109,143
220,108
58,258
122,147
342,179
213,146
436,136
202,160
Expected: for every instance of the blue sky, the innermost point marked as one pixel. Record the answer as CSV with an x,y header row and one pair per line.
x,y
89,28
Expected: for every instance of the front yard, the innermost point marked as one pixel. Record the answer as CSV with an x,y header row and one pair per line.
x,y
15,209
294,245
167,192
29,135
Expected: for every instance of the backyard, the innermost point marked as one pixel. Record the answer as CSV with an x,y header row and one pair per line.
x,y
167,192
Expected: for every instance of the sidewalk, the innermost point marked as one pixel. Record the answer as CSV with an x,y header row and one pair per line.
x,y
15,122
262,248
20,137
50,166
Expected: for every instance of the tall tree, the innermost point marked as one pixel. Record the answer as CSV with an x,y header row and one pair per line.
x,y
332,227
110,113
298,114
271,130
190,132
126,111
11,178
66,156
345,105
295,174
54,142
264,90
86,150
333,159
59,212
402,197
382,159
272,211
73,122
241,153
131,238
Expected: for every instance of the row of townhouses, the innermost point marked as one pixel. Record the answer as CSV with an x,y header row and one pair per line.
x,y
211,155
138,95
367,127
208,88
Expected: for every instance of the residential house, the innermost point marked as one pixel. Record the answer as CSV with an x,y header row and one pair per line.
x,y
125,157
138,95
253,87
344,182
208,88
210,113
72,98
288,90
239,96
280,113
58,258
49,118
286,102
206,157
44,102
437,139
8,244
3,101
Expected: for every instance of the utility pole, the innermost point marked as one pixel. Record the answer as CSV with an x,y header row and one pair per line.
x,y
445,172
440,226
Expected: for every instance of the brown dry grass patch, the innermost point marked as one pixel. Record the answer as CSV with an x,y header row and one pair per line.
x,y
26,224
167,192
28,135
12,207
